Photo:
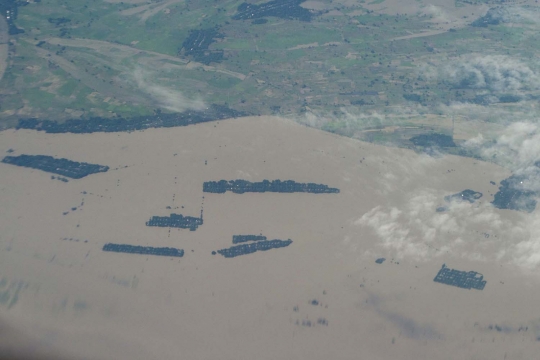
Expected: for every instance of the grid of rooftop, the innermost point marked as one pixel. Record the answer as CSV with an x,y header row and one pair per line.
x,y
463,279
236,239
177,221
64,167
143,250
288,186
244,249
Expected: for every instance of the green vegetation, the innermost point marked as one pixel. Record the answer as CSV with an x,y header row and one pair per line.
x,y
92,58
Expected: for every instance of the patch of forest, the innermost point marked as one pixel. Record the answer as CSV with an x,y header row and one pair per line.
x,y
465,195
197,43
9,9
98,124
513,196
433,140
285,9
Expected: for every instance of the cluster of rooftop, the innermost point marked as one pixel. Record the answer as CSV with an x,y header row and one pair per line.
x,y
287,186
143,250
236,239
64,167
463,279
258,243
177,221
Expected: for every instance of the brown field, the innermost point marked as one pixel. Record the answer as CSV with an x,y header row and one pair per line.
x,y
69,296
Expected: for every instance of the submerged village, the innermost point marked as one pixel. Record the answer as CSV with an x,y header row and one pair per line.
x,y
246,244
509,196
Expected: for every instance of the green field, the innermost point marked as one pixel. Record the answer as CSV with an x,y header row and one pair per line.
x,y
85,58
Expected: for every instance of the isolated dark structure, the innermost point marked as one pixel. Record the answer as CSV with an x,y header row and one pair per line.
x,y
143,250
463,279
287,186
97,124
285,9
380,260
466,195
236,239
254,247
513,196
433,140
176,221
64,167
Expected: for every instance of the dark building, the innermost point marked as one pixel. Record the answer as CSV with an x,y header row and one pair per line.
x,y
143,250
287,186
463,279
65,167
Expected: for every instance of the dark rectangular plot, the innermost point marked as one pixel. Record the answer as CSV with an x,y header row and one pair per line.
x,y
236,239
254,247
177,221
288,186
463,279
143,250
64,167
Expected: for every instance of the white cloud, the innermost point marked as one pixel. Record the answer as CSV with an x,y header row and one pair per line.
x,y
476,232
417,231
167,98
350,120
518,148
496,73
514,14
